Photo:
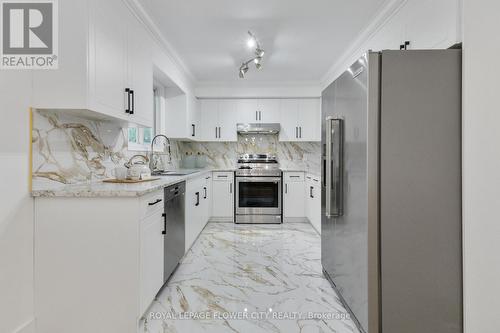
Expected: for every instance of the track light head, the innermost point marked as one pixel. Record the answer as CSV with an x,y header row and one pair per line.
x,y
259,53
252,41
243,70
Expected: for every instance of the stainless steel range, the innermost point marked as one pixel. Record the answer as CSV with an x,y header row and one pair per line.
x,y
258,189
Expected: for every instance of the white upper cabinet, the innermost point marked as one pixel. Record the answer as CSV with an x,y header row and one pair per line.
x,y
258,110
228,117
209,116
289,120
108,57
218,119
140,71
300,119
247,110
309,119
182,117
104,50
269,110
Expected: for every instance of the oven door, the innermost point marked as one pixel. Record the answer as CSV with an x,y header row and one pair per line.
x,y
258,195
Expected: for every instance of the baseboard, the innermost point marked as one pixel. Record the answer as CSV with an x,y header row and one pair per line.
x,y
27,327
221,219
295,220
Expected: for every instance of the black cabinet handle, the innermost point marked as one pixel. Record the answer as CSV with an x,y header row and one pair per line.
x,y
231,188
405,45
164,232
296,132
197,199
256,115
311,192
155,202
127,91
286,188
194,130
205,196
133,102
300,132
216,132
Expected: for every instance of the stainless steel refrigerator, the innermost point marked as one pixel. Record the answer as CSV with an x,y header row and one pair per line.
x,y
391,194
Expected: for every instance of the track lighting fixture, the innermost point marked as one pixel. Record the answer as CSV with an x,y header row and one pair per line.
x,y
257,60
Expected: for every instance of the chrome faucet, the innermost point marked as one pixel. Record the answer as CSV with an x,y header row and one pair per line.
x,y
152,161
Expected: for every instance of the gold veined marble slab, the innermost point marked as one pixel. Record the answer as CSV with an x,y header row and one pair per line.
x,y
250,279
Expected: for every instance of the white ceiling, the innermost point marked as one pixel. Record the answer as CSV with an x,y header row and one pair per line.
x,y
302,39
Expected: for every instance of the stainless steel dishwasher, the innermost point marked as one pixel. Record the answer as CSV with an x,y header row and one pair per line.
x,y
173,230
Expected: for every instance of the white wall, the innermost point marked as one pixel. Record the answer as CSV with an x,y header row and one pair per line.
x,y
16,205
481,124
428,24
241,89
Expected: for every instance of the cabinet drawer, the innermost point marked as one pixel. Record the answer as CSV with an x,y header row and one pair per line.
x,y
223,176
293,176
151,203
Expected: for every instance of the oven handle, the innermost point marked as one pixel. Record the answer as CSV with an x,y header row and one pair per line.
x,y
258,179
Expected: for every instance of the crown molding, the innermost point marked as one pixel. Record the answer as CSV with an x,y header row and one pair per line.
x,y
243,83
148,22
387,11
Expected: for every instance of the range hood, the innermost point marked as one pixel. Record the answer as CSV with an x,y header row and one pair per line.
x,y
254,128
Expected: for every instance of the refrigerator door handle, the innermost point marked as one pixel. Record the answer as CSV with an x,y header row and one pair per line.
x,y
334,167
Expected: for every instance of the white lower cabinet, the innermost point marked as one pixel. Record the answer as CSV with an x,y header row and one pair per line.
x,y
151,257
223,192
313,201
293,197
302,198
196,211
207,197
95,254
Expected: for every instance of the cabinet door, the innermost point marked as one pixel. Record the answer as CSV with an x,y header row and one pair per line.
x,y
209,114
193,118
207,195
316,206
193,208
289,110
108,58
151,258
293,199
248,110
309,119
223,203
228,117
269,110
140,72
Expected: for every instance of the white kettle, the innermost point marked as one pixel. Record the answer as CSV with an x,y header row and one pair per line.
x,y
138,168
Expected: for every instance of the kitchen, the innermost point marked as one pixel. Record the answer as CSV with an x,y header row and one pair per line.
x,y
190,166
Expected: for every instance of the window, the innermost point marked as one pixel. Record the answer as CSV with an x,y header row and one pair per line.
x,y
139,138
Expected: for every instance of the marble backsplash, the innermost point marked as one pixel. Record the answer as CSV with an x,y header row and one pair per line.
x,y
70,149
291,155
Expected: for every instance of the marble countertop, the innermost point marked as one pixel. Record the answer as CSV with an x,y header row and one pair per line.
x,y
100,189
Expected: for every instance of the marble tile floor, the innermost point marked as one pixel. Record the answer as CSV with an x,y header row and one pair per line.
x,y
250,279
